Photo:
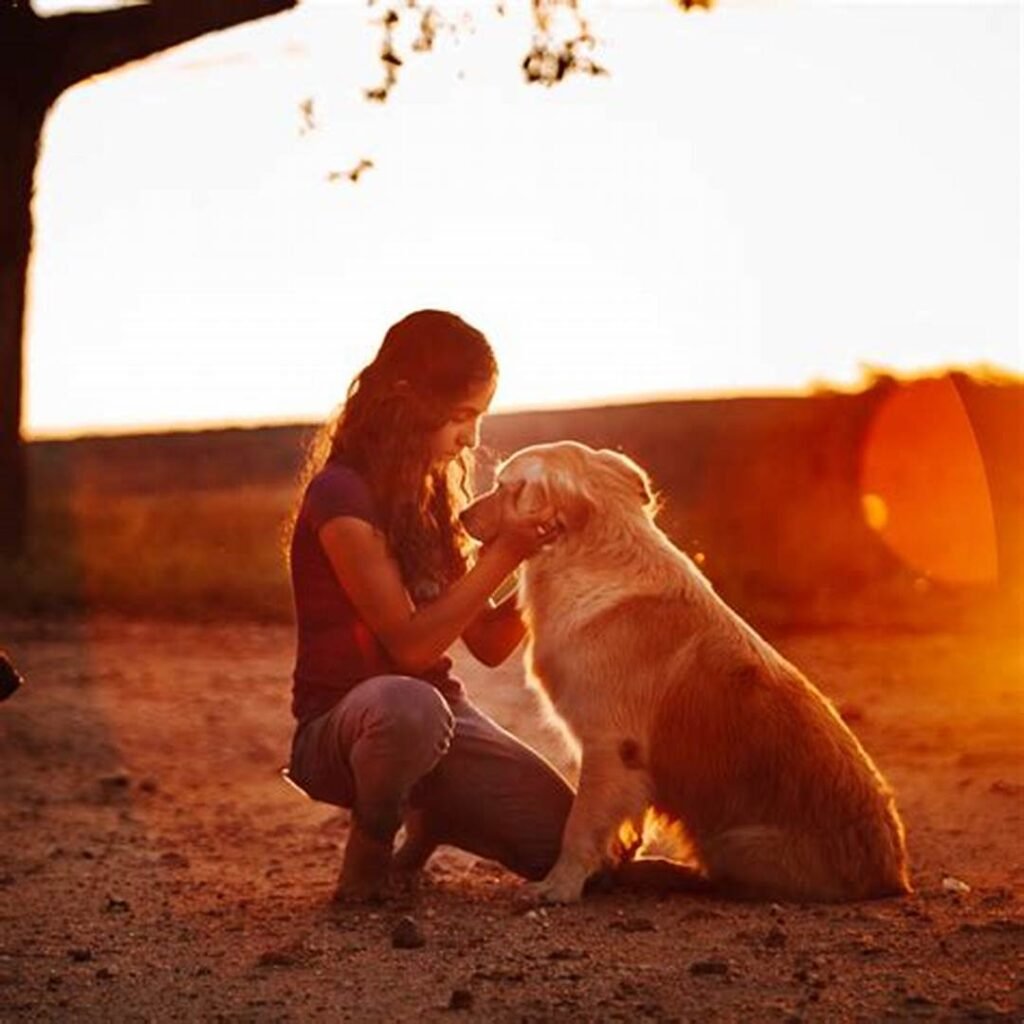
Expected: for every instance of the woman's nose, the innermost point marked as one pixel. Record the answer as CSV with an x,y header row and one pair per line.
x,y
470,437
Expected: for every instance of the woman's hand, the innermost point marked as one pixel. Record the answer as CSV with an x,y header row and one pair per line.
x,y
525,533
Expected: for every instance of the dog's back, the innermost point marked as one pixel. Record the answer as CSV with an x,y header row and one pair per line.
x,y
778,796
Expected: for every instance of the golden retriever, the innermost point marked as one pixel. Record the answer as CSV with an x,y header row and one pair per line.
x,y
677,704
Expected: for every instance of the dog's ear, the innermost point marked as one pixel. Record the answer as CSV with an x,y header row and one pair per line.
x,y
531,494
571,499
631,474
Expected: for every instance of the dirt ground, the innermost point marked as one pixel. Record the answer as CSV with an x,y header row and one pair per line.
x,y
154,866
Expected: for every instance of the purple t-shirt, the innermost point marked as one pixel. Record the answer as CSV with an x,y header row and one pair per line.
x,y
336,649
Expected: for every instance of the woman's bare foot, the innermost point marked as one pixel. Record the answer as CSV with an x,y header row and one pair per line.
x,y
411,857
417,845
365,870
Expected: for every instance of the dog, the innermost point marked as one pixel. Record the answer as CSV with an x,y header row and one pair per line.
x,y
675,703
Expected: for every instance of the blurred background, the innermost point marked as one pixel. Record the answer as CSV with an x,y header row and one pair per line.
x,y
773,254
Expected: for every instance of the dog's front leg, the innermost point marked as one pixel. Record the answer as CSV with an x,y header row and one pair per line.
x,y
609,793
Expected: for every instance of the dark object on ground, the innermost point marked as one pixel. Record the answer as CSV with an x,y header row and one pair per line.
x,y
9,678
407,935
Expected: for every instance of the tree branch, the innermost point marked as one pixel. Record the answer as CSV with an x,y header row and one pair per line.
x,y
84,44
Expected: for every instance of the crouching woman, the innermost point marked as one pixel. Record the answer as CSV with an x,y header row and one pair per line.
x,y
383,585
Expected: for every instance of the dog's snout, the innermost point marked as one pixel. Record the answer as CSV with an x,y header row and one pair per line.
x,y
482,517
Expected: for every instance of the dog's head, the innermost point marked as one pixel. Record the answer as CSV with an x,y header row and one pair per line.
x,y
575,481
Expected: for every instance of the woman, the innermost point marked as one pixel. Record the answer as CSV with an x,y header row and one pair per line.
x,y
383,584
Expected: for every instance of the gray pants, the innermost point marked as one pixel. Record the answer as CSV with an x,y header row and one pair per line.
x,y
395,742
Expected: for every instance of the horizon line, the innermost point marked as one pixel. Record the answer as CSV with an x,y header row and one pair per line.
x,y
870,377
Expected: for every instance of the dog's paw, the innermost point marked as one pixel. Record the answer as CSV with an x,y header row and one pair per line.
x,y
558,888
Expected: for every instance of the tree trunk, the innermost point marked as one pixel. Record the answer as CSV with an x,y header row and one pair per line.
x,y
39,59
19,130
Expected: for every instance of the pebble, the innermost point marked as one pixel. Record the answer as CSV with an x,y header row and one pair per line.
x,y
407,935
1004,788
915,999
776,937
80,955
566,953
460,999
634,924
954,885
106,974
277,958
173,859
709,967
117,905
115,780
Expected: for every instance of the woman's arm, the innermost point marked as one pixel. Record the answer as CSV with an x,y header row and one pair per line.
x,y
496,632
416,638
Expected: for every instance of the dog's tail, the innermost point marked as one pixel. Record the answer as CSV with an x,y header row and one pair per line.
x,y
660,875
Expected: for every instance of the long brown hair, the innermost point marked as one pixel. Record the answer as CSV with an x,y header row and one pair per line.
x,y
428,364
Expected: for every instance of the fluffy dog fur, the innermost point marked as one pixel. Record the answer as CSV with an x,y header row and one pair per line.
x,y
677,704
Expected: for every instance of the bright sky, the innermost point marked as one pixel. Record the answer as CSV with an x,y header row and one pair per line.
x,y
756,199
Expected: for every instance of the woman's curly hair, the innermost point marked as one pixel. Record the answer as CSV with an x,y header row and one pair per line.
x,y
427,365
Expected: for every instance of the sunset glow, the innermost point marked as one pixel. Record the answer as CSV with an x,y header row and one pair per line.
x,y
740,206
924,485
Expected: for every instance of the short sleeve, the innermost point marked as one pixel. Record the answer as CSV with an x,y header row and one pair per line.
x,y
335,491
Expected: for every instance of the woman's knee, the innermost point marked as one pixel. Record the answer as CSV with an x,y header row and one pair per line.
x,y
407,715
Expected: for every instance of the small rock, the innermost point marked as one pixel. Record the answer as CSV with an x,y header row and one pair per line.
x,y
173,859
460,999
106,974
407,935
915,999
149,785
634,924
80,955
116,905
1003,788
981,1011
277,958
702,914
954,885
115,780
566,953
871,949
709,967
776,937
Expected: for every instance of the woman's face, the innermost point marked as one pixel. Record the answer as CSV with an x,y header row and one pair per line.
x,y
462,430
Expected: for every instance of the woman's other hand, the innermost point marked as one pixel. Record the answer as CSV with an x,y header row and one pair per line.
x,y
526,532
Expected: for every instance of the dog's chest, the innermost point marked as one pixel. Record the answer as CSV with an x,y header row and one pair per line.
x,y
559,676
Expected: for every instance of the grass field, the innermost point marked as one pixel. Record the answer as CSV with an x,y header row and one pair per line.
x,y
767,494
